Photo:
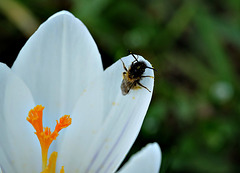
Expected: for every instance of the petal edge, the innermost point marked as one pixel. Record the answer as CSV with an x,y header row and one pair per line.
x,y
146,160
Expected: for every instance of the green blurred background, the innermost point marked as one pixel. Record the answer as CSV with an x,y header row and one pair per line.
x,y
195,46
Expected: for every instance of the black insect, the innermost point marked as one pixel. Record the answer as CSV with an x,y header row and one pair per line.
x,y
133,75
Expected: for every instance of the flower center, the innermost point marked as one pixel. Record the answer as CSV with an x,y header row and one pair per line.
x,y
45,136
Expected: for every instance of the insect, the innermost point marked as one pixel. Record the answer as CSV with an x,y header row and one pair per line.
x,y
133,75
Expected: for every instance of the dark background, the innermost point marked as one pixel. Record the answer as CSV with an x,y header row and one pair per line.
x,y
195,46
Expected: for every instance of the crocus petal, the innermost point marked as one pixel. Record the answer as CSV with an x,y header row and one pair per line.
x,y
145,161
19,144
109,131
5,161
57,63
0,170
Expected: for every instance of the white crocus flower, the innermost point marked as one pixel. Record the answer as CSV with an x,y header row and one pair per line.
x,y
60,68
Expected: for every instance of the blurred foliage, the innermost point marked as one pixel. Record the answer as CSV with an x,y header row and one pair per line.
x,y
194,45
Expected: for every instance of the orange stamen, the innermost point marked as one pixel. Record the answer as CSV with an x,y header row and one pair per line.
x,y
46,137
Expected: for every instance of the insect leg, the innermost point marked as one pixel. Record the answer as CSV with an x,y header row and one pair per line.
x,y
143,86
148,76
152,68
125,68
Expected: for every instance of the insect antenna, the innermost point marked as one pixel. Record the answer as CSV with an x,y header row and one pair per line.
x,y
130,52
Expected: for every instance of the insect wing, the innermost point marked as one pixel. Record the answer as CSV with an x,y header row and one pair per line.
x,y
125,87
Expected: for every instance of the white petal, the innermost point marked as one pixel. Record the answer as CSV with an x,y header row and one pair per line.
x,y
20,149
57,63
102,136
5,161
145,161
86,121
